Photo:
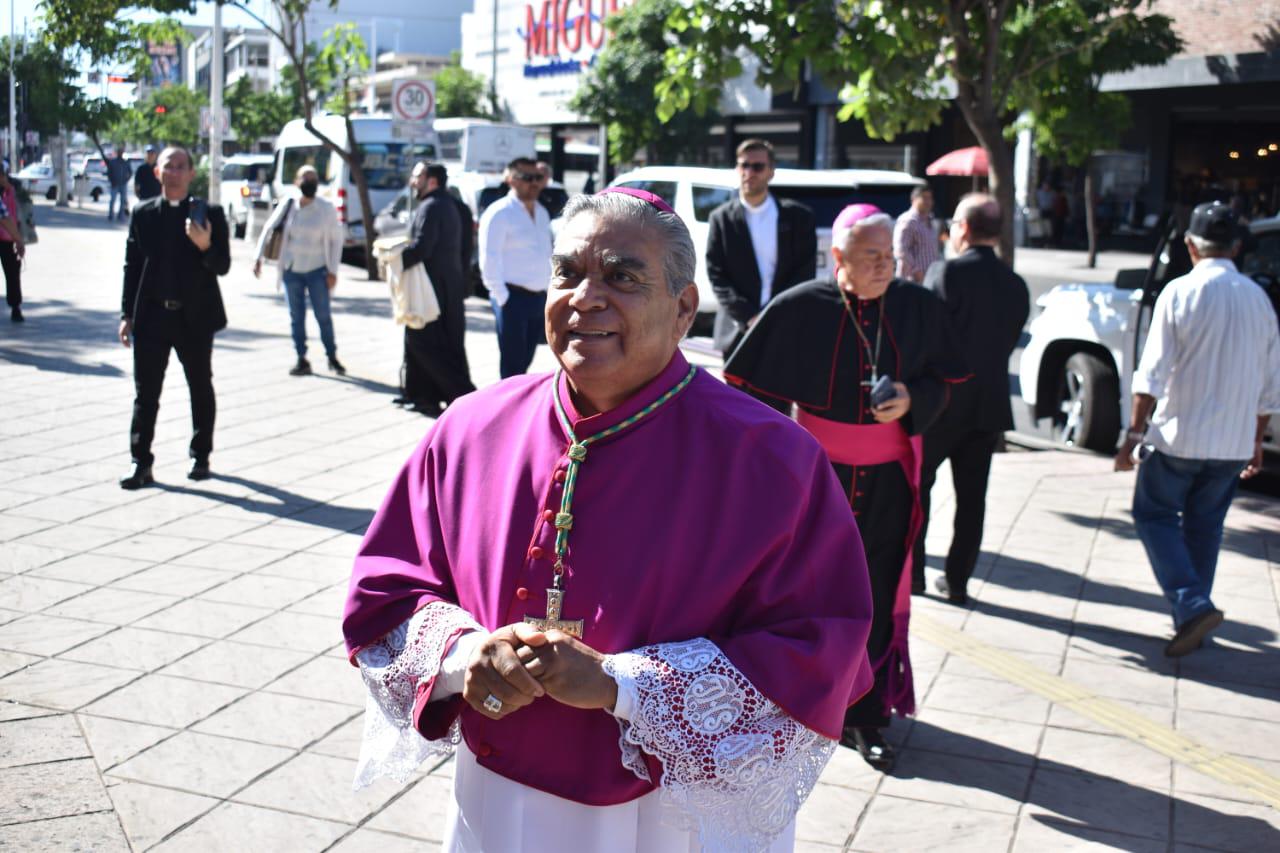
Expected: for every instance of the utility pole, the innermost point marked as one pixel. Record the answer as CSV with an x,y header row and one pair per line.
x,y
13,96
215,109
493,66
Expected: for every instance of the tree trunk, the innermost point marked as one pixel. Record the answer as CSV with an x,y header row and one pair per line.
x,y
1090,220
999,180
356,164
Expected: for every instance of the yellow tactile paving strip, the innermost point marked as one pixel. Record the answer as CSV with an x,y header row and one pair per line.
x,y
1107,712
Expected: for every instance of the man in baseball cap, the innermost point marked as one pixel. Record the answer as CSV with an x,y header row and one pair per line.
x,y
145,183
1207,383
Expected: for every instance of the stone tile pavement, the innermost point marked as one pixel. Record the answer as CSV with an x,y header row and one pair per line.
x,y
172,677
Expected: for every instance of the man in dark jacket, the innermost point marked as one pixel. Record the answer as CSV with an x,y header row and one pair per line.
x,y
118,175
757,246
435,356
145,183
176,250
988,303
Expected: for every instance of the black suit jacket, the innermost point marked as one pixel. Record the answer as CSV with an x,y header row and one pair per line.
x,y
435,239
732,269
153,268
988,303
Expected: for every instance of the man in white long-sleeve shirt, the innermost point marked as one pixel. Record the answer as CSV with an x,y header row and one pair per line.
x,y
1210,372
515,263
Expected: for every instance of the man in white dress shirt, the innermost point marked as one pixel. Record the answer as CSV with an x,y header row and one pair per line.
x,y
757,246
1210,372
515,263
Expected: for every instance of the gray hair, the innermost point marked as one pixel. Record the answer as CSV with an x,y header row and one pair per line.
x,y
679,260
1212,249
840,236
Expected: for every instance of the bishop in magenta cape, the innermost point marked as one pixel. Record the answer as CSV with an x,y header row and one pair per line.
x,y
712,536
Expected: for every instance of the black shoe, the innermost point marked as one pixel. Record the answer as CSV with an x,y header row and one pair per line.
x,y
955,596
199,470
431,410
139,477
871,745
1190,636
16,315
336,366
302,368
401,401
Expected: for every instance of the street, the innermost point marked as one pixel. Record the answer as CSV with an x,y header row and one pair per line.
x,y
172,673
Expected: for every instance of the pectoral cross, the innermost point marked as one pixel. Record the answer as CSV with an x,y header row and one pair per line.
x,y
555,602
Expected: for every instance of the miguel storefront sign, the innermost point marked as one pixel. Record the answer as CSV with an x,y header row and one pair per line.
x,y
563,36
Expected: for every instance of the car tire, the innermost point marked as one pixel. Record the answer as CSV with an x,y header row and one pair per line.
x,y
52,194
703,325
1088,395
96,194
240,228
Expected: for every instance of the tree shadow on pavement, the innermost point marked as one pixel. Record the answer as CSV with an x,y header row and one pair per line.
x,y
1083,802
53,217
280,503
57,336
1245,542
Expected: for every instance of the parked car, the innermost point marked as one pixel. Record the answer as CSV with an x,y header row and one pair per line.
x,y
39,179
695,191
386,159
243,178
1077,368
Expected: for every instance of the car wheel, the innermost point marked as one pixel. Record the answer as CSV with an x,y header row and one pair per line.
x,y
96,195
703,325
1088,413
240,228
52,194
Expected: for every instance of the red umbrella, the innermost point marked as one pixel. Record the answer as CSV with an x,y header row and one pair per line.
x,y
966,162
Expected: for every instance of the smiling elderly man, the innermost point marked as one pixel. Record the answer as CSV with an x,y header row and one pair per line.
x,y
577,576
865,360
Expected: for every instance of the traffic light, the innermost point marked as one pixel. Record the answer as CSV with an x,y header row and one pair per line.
x,y
161,109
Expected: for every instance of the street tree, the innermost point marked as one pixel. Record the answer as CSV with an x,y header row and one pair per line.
x,y
618,91
459,92
169,115
899,64
256,114
45,79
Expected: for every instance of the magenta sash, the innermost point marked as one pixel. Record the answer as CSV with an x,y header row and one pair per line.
x,y
879,444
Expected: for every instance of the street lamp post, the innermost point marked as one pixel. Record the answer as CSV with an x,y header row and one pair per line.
x,y
13,107
215,109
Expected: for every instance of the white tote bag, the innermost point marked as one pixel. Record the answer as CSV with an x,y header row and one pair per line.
x,y
413,299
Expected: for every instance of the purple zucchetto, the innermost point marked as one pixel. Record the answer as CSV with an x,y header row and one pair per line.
x,y
643,195
853,214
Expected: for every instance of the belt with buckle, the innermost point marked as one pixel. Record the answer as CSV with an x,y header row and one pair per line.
x,y
170,304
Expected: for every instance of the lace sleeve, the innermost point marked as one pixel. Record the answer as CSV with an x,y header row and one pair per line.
x,y
735,767
394,668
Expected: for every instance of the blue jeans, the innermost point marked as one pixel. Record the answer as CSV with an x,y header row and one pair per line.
x,y
521,327
121,193
297,285
1178,508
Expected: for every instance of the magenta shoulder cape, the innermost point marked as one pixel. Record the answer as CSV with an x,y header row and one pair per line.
x,y
714,517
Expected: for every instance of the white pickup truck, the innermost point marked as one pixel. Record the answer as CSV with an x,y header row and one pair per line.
x,y
1084,345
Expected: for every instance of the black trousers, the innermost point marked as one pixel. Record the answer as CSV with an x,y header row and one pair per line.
x,y
12,274
168,331
970,454
882,501
521,327
435,356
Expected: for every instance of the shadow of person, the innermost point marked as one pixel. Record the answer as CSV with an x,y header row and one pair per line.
x,y
1072,800
279,503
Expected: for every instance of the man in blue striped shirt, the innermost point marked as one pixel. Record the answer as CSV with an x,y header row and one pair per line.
x,y
1208,381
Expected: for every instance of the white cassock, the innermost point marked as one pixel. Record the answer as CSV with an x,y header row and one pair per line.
x,y
750,805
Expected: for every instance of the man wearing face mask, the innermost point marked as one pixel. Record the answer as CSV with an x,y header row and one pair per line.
x,y
310,252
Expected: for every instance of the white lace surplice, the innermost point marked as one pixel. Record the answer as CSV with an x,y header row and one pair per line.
x,y
736,768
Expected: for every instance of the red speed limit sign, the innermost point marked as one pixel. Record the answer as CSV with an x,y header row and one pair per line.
x,y
413,100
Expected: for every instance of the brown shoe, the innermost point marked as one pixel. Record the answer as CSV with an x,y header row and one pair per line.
x,y
1190,636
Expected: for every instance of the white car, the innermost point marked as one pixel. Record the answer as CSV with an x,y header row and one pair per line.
x,y
695,191
243,178
39,179
1077,367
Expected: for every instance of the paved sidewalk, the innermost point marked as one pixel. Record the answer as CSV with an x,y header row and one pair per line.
x,y
171,668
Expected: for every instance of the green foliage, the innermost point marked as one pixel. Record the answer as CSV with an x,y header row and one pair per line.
x,y
178,124
618,90
102,30
46,80
459,92
343,59
256,114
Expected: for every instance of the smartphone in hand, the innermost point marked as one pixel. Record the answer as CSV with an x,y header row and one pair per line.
x,y
882,392
199,212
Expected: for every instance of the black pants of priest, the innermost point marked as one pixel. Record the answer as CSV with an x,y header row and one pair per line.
x,y
12,274
167,331
435,356
881,500
970,454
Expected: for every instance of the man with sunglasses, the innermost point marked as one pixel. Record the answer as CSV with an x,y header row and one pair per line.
x,y
515,263
757,246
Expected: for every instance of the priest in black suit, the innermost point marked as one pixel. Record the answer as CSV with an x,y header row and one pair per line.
x,y
988,304
757,246
176,250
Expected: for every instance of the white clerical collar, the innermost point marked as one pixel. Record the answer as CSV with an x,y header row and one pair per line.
x,y
761,207
173,203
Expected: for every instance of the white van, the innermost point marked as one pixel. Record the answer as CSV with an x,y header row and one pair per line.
x,y
387,163
480,145
695,191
